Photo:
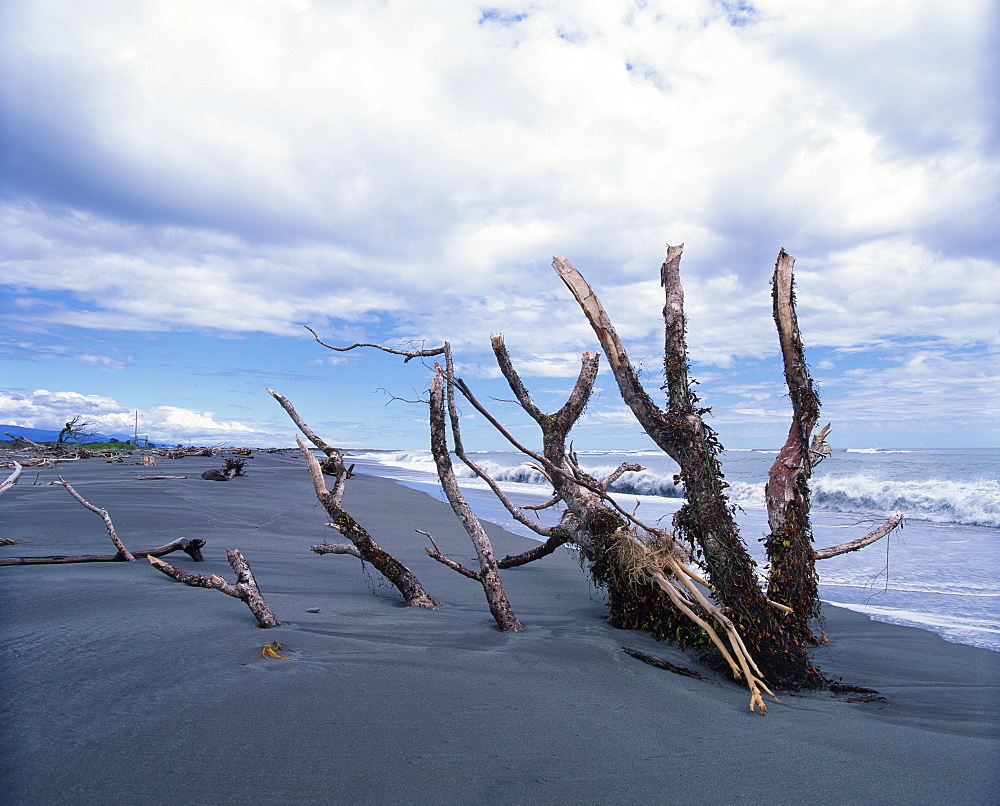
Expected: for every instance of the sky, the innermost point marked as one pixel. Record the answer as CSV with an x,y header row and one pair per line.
x,y
185,185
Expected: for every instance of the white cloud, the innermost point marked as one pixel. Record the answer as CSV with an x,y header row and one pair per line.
x,y
48,410
396,171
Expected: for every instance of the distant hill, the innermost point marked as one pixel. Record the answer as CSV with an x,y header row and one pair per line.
x,y
45,435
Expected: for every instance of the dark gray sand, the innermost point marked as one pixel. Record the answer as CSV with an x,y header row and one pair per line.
x,y
120,686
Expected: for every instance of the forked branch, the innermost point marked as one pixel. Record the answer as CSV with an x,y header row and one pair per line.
x,y
245,588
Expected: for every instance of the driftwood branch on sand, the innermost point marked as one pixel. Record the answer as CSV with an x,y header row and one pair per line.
x,y
245,588
190,546
371,552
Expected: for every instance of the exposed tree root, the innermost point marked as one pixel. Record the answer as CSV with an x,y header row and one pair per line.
x,y
662,561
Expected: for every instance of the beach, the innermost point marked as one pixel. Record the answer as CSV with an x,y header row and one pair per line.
x,y
122,686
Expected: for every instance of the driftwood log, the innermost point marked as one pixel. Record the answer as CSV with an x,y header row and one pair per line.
x,y
489,574
190,546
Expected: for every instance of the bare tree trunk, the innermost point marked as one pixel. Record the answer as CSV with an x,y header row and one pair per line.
x,y
706,518
245,588
792,579
489,574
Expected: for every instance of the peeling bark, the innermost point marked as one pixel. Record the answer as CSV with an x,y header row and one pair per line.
x,y
792,580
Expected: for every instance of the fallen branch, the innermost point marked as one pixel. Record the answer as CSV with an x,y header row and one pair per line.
x,y
853,545
190,546
245,588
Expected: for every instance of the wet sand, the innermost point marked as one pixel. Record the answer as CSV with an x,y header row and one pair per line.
x,y
121,686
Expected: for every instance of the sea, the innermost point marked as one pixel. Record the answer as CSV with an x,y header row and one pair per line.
x,y
940,572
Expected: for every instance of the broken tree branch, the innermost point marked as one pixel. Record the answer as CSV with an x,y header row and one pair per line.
x,y
337,548
190,546
436,554
409,354
853,545
245,588
387,565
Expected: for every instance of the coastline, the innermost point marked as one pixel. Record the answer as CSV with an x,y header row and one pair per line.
x,y
122,686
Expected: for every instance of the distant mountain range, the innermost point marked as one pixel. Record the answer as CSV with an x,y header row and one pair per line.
x,y
44,435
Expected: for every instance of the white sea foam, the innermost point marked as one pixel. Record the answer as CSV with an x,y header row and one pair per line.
x,y
971,503
951,628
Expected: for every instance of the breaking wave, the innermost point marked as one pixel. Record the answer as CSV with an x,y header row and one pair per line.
x,y
969,503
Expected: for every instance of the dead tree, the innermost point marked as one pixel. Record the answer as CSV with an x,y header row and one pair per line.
x,y
442,389
706,519
646,571
74,431
245,588
332,500
792,579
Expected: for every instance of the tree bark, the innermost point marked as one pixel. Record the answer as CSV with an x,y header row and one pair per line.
x,y
792,580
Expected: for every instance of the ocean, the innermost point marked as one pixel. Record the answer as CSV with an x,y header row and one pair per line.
x,y
940,572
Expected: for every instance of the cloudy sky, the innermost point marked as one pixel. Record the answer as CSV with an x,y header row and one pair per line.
x,y
184,185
